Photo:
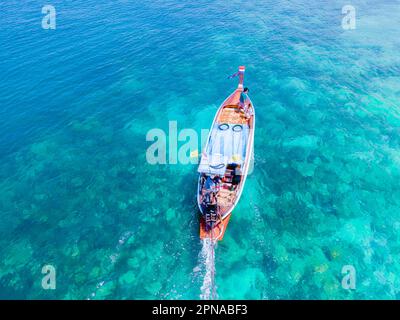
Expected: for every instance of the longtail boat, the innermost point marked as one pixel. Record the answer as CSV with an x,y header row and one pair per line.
x,y
225,162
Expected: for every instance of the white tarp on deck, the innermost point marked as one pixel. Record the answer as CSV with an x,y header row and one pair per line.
x,y
227,144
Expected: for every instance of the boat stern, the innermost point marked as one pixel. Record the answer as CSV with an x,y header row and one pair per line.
x,y
216,233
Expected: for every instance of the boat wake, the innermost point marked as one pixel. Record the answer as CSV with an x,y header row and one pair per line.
x,y
207,256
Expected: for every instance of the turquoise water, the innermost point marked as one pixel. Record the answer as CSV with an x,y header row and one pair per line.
x,y
76,191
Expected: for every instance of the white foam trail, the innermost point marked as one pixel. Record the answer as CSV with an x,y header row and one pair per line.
x,y
207,256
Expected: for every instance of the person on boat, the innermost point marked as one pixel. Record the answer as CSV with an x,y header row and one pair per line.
x,y
209,184
242,103
213,199
212,183
217,181
243,98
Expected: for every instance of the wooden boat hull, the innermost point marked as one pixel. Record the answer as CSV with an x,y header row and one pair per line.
x,y
229,116
216,233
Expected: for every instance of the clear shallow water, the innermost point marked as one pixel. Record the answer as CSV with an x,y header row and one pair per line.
x,y
75,188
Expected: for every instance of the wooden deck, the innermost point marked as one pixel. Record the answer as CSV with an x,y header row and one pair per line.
x,y
232,115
